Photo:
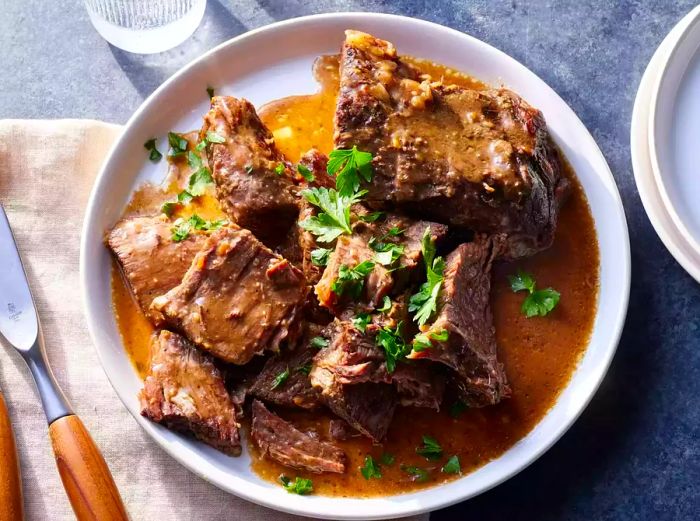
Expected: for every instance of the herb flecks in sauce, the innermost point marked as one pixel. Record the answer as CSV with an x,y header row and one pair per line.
x,y
539,302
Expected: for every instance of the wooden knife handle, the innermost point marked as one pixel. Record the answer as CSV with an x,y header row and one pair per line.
x,y
84,472
11,504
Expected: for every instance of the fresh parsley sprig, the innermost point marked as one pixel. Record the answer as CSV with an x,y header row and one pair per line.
x,y
182,227
299,486
350,281
539,302
334,218
361,321
280,379
431,449
370,469
422,341
392,343
349,167
154,154
424,303
417,473
178,144
452,466
320,256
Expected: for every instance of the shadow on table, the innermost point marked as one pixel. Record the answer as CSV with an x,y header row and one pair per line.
x,y
147,72
587,456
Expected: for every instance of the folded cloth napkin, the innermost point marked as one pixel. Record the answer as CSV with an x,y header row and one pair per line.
x,y
46,171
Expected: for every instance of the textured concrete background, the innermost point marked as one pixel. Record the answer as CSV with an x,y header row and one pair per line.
x,y
635,452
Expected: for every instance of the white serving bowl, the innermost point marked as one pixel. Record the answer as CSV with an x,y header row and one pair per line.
x,y
273,62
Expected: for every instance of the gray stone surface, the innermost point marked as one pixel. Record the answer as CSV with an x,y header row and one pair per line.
x,y
634,453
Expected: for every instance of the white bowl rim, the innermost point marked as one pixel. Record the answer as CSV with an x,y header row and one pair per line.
x,y
645,179
661,86
424,500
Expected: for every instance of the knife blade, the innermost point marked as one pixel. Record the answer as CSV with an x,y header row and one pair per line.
x,y
84,472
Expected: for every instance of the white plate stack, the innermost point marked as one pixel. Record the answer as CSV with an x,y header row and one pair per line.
x,y
665,142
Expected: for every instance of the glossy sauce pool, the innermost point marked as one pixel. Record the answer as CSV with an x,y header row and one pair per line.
x,y
539,354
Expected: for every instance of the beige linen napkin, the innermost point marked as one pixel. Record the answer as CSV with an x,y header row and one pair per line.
x,y
46,171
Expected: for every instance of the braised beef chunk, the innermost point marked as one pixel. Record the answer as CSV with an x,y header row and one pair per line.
x,y
185,391
149,258
340,430
482,160
464,313
316,163
418,385
238,298
294,389
351,376
283,442
249,189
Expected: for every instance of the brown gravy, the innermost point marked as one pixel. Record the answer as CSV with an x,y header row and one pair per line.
x,y
539,354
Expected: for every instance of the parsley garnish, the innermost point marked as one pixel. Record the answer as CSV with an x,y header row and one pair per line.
x,y
418,473
371,217
349,166
299,486
452,466
181,228
334,219
169,207
431,449
279,169
319,342
387,459
457,408
424,303
350,281
319,256
210,91
391,341
306,368
213,137
155,154
200,177
539,302
178,144
305,173
386,305
370,469
387,253
280,379
422,341
360,321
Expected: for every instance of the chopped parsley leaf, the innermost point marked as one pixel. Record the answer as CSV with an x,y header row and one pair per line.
x,y
539,302
169,207
213,137
350,281
360,321
181,228
249,169
279,169
306,368
370,469
371,217
349,167
178,144
424,303
299,486
386,305
452,466
422,341
431,449
305,173
319,256
387,253
417,473
154,154
319,342
280,379
457,408
210,91
199,181
391,341
334,218
387,459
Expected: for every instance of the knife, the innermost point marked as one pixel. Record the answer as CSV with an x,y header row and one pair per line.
x,y
84,472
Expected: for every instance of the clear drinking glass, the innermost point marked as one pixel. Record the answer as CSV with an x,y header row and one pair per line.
x,y
145,26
